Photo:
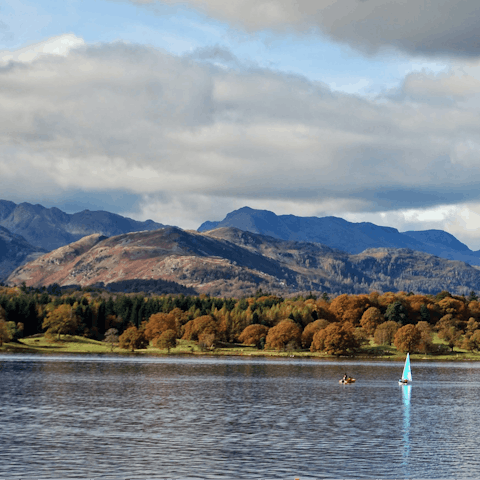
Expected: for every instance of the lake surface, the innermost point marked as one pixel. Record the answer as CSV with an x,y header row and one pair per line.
x,y
238,418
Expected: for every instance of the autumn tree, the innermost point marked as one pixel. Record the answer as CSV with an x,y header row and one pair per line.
x,y
472,342
132,339
5,334
254,335
167,340
408,338
349,308
285,333
335,339
448,330
371,319
159,323
198,326
310,330
61,320
385,333
426,342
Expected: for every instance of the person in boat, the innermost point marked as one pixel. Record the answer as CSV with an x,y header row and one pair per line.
x,y
403,380
344,378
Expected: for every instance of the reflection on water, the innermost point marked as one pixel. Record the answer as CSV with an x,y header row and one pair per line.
x,y
213,418
406,394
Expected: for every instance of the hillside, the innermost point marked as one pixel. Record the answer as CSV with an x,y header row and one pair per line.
x,y
343,235
50,228
14,251
232,262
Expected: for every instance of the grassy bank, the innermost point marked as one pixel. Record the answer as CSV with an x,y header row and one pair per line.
x,y
80,345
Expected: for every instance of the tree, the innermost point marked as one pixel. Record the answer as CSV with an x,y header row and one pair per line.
x,y
111,337
203,324
408,338
385,333
285,333
371,319
167,340
61,320
158,324
472,342
335,339
132,338
448,330
310,330
253,335
5,333
396,313
426,342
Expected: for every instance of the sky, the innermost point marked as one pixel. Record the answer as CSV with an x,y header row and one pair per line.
x,y
182,111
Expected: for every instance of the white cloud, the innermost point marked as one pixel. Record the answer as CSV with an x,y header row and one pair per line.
x,y
197,140
60,45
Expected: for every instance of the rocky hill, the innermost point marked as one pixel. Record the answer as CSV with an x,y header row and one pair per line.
x,y
50,228
15,251
343,235
232,262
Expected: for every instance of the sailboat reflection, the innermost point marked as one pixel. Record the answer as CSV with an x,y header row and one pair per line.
x,y
406,392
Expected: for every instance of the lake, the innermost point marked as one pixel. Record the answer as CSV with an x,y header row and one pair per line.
x,y
237,418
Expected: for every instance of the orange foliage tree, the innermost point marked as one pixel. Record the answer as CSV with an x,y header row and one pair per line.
x,y
449,330
310,330
132,339
159,323
371,319
349,308
408,338
286,333
335,339
205,324
253,335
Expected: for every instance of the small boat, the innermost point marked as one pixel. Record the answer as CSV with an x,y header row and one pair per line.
x,y
347,380
407,372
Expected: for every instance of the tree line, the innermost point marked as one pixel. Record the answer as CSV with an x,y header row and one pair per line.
x,y
340,325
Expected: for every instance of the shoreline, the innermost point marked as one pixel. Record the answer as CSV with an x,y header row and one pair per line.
x,y
81,346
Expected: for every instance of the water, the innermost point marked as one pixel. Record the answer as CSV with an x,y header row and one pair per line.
x,y
219,418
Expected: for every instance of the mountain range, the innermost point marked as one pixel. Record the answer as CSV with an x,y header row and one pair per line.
x,y
343,235
247,250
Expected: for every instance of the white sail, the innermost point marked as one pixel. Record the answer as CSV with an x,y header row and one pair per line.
x,y
407,371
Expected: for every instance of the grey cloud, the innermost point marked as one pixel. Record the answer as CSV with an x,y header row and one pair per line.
x,y
441,27
122,117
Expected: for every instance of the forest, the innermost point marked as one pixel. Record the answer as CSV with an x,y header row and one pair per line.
x,y
342,325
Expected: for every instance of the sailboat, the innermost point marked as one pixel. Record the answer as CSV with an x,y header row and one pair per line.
x,y
407,372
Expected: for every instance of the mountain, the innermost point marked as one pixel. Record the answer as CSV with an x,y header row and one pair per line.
x,y
14,251
232,262
50,228
343,235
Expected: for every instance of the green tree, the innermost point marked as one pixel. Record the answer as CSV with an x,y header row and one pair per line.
x,y
396,313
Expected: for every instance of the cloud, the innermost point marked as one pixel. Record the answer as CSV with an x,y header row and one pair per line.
x,y
179,132
442,27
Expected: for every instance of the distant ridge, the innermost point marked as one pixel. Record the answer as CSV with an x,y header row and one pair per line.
x,y
343,235
50,228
